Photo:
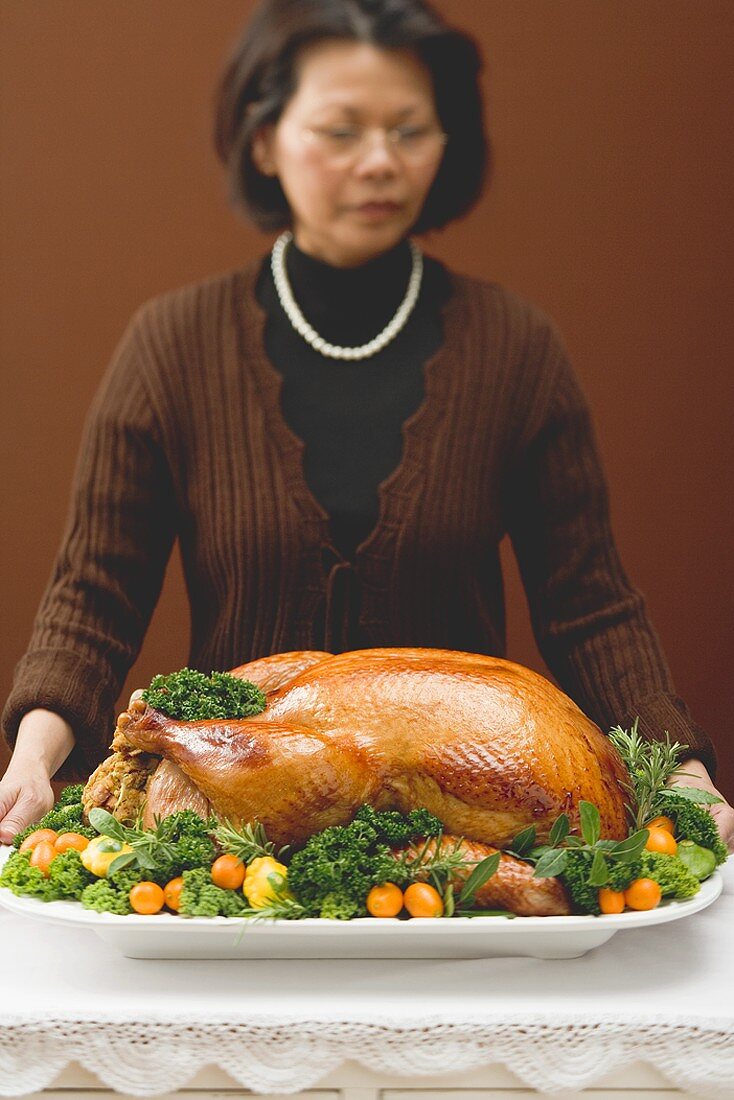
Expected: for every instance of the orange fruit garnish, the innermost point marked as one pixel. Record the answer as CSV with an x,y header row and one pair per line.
x,y
228,872
147,898
661,823
43,856
65,841
37,837
611,901
172,893
423,900
385,900
660,840
643,893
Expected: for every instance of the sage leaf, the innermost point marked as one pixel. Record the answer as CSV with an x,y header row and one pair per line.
x,y
590,822
551,864
524,840
481,873
628,850
105,823
559,830
145,859
599,870
693,794
120,861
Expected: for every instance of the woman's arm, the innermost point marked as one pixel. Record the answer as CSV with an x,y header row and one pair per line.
x,y
44,741
109,569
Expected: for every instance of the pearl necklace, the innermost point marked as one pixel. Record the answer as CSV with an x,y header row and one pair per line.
x,y
309,333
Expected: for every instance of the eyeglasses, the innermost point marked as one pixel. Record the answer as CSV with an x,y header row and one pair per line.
x,y
344,144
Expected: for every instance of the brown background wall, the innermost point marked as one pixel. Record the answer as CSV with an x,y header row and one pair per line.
x,y
611,209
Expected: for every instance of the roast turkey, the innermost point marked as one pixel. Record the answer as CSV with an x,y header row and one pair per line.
x,y
485,744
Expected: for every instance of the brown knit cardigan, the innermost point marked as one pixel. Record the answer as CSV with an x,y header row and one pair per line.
x,y
185,439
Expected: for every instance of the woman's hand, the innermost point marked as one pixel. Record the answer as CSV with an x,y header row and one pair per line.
x,y
26,795
693,773
44,741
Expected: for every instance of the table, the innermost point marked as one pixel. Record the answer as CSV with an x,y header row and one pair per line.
x,y
648,1013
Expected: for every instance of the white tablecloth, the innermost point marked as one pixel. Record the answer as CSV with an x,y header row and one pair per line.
x,y
663,995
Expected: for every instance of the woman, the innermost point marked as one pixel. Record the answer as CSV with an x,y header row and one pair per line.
x,y
339,434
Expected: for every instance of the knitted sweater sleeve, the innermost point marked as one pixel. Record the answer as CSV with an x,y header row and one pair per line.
x,y
108,572
589,621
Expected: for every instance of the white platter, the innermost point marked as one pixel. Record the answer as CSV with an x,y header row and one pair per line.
x,y
166,936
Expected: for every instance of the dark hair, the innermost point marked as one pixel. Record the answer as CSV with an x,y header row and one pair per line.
x,y
260,79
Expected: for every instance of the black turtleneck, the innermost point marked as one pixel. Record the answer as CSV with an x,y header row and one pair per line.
x,y
350,414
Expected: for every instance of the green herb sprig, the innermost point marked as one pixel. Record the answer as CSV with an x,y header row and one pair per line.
x,y
650,764
246,841
439,865
149,849
283,906
550,859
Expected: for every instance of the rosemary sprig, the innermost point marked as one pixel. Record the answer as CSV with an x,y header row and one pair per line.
x,y
433,861
441,865
280,909
650,764
247,841
283,907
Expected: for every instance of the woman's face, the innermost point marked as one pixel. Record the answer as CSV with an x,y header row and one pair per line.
x,y
353,192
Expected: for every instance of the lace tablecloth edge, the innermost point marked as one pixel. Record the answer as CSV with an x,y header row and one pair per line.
x,y
149,1059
